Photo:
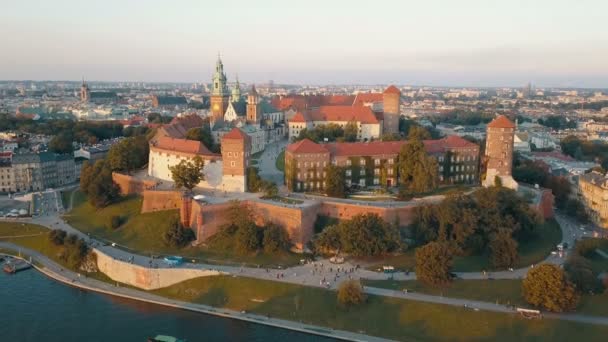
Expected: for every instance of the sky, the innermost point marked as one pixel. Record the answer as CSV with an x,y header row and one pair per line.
x,y
559,43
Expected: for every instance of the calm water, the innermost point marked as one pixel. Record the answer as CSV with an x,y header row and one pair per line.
x,y
35,308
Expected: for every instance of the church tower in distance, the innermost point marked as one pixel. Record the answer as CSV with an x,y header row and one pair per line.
x,y
254,111
220,96
85,92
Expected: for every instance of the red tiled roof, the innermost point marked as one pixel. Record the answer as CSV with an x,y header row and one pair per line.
x,y
553,154
365,148
344,113
392,90
235,133
375,148
299,117
501,121
363,98
182,145
306,146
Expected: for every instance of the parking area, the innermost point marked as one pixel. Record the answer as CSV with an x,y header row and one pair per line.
x,y
10,207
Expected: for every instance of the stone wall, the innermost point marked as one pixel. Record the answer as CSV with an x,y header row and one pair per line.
x,y
129,185
345,211
158,200
206,219
144,277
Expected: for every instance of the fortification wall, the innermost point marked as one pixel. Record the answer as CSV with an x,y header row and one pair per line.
x,y
144,277
345,211
129,185
158,200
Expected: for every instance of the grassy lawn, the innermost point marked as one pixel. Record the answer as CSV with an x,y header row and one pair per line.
x,y
280,163
532,251
387,317
79,198
144,233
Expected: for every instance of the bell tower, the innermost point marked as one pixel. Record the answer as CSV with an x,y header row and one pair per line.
x,y
85,93
220,96
254,111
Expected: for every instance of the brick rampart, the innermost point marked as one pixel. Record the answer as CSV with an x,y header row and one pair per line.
x,y
157,200
129,185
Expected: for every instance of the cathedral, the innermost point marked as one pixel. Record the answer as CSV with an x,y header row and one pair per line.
x,y
253,115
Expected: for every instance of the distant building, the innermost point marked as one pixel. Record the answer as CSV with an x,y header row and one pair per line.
x,y
38,171
375,163
499,152
169,102
593,190
97,97
373,113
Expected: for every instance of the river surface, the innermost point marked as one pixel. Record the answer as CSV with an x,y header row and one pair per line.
x,y
36,308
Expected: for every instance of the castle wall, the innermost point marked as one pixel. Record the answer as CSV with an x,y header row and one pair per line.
x,y
129,185
158,200
144,277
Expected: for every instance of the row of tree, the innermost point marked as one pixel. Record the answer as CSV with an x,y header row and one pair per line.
x,y
363,235
74,249
586,150
490,221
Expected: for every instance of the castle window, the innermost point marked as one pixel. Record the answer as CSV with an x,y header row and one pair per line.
x,y
362,161
376,162
232,163
347,162
390,161
348,172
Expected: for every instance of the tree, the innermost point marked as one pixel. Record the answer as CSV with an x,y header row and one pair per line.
x,y
254,181
351,131
368,235
418,171
201,134
580,272
275,239
335,182
61,143
350,293
96,182
433,264
503,249
247,238
129,154
177,235
115,221
328,240
418,133
188,173
546,286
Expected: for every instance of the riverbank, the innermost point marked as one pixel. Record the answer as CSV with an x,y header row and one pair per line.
x,y
56,272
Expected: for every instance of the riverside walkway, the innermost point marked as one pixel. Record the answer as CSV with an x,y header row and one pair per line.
x,y
58,273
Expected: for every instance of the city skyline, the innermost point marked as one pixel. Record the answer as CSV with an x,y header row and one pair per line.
x,y
437,43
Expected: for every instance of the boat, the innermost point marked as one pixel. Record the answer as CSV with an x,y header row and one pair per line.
x,y
15,266
164,338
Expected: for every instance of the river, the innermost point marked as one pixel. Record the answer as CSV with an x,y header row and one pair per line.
x,y
35,308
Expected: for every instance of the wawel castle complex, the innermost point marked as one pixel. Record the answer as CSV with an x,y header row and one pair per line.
x,y
244,127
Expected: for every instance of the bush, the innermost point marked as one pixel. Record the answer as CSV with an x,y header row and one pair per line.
x,y
350,293
275,239
115,221
178,235
57,236
580,272
247,239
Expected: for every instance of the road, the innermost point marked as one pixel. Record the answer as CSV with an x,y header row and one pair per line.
x,y
267,162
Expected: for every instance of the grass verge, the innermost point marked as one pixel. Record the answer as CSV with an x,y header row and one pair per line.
x,y
380,316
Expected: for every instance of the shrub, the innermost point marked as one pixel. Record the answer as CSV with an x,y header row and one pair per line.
x,y
57,236
115,221
547,287
350,293
177,235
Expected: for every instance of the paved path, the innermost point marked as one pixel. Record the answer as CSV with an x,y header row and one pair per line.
x,y
55,271
267,162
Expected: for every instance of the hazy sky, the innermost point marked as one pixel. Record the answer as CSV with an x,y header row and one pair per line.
x,y
423,42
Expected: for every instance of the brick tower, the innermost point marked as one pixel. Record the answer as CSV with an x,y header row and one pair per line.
x,y
85,92
254,111
391,98
499,152
236,150
220,96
